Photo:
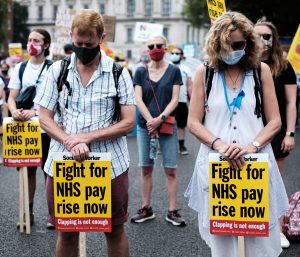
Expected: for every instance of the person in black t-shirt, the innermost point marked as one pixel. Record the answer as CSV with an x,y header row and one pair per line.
x,y
286,92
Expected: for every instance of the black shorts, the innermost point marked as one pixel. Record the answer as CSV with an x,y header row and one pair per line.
x,y
181,115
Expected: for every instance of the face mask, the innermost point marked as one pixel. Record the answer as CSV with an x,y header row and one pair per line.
x,y
34,50
145,59
157,54
234,57
4,72
86,55
175,58
266,46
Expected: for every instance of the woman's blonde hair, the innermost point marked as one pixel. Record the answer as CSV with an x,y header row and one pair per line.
x,y
86,19
218,45
276,61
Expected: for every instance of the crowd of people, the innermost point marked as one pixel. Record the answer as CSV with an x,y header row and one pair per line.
x,y
168,100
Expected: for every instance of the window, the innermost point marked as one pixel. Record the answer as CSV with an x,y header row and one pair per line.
x,y
129,35
86,6
40,12
129,54
102,8
166,33
166,7
55,9
70,6
148,8
130,8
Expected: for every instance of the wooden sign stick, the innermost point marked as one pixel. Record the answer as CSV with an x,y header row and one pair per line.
x,y
82,244
241,246
26,199
21,201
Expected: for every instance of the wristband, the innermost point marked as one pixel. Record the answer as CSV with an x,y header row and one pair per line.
x,y
213,142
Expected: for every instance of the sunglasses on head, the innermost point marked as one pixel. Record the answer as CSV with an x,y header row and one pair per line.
x,y
265,36
158,46
238,45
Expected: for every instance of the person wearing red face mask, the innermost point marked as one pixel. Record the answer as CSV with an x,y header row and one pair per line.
x,y
26,74
157,87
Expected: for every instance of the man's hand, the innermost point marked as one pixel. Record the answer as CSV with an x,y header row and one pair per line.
x,y
80,152
23,115
74,139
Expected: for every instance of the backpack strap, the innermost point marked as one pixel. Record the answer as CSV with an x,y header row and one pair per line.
x,y
21,72
258,111
209,75
117,71
62,77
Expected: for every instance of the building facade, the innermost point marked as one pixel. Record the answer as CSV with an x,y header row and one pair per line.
x,y
42,13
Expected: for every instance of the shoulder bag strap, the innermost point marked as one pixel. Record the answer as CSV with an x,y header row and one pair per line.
x,y
148,77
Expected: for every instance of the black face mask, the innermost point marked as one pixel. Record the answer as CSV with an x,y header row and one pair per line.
x,y
5,72
86,55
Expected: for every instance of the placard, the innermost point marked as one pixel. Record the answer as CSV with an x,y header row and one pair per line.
x,y
82,193
22,143
239,199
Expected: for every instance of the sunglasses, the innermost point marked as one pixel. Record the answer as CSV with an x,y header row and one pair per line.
x,y
158,46
265,36
238,45
176,53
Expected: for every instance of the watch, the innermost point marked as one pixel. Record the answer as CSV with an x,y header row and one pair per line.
x,y
257,145
290,134
163,117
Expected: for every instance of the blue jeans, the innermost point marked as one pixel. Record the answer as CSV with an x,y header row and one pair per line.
x,y
168,147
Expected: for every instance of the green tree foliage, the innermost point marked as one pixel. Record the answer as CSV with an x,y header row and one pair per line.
x,y
20,31
284,14
3,11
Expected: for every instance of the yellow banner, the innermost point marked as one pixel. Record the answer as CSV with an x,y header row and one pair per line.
x,y
82,194
215,8
239,199
15,49
294,52
22,144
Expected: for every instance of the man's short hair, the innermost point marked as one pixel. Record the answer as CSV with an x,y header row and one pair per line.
x,y
86,19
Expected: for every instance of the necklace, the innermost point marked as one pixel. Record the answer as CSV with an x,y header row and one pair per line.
x,y
234,81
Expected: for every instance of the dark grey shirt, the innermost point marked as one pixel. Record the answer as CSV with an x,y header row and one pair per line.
x,y
163,90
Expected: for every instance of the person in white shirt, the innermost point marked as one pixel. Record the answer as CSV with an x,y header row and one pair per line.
x,y
182,111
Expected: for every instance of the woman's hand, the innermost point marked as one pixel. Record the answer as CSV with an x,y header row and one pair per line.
x,y
288,144
233,153
153,124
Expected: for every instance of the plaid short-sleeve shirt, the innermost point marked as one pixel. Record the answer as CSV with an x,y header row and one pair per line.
x,y
88,108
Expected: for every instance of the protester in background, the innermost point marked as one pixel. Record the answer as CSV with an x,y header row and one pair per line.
x,y
157,88
182,111
233,128
286,91
5,76
68,49
88,123
34,73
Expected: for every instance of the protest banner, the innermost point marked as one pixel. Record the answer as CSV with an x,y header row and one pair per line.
x,y
239,199
82,193
22,145
294,52
15,49
215,9
64,19
144,30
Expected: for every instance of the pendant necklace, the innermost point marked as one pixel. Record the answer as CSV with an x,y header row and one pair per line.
x,y
234,81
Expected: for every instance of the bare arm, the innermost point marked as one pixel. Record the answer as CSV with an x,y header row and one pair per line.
x,y
155,122
271,109
190,87
288,142
121,128
140,103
